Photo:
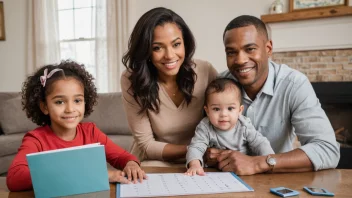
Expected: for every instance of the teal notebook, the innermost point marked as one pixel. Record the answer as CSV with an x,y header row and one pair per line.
x,y
69,171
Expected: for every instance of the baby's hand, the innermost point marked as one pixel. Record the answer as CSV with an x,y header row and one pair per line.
x,y
195,168
117,176
134,172
195,171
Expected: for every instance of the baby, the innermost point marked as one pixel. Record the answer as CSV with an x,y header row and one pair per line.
x,y
225,127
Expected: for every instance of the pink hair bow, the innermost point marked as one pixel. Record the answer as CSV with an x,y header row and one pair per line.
x,y
46,75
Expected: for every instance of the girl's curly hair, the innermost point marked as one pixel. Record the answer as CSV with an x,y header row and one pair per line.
x,y
33,91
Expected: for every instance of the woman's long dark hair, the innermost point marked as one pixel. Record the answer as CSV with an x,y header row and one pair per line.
x,y
144,75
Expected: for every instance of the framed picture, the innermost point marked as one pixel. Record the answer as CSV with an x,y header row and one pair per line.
x,y
2,22
298,5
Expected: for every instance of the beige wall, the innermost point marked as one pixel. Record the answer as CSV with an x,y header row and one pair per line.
x,y
13,50
206,18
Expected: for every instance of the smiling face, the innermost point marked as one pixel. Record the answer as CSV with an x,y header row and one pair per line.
x,y
247,54
65,105
224,108
168,50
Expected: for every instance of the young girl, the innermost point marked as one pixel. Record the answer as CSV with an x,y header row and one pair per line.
x,y
225,127
57,97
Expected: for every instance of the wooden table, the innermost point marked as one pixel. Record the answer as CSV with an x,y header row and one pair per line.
x,y
338,181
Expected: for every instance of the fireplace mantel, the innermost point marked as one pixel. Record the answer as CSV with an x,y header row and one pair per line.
x,y
308,14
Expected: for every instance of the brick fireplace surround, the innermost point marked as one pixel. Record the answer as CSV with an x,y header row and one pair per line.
x,y
320,65
329,69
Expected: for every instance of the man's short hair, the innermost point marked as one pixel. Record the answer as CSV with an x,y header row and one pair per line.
x,y
247,20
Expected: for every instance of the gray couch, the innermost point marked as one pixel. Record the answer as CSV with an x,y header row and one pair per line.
x,y
108,115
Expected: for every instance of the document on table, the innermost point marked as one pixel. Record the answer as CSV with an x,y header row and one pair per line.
x,y
172,184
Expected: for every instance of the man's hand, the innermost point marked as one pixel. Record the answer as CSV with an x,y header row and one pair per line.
x,y
235,161
211,155
134,172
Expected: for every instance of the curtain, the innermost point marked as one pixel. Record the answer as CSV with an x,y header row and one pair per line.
x,y
111,42
111,37
43,45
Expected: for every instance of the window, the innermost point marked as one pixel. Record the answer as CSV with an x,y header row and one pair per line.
x,y
77,32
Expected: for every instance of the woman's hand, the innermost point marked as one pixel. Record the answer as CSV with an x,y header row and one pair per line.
x,y
134,172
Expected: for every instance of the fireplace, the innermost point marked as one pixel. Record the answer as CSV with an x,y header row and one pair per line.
x,y
336,100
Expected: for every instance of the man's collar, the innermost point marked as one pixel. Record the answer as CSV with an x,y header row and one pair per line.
x,y
268,87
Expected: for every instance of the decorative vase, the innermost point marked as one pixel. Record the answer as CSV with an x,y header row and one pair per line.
x,y
276,7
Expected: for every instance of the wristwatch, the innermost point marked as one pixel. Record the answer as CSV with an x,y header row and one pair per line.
x,y
271,161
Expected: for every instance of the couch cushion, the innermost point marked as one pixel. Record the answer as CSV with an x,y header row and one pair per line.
x,y
6,96
109,115
13,119
123,141
5,163
10,143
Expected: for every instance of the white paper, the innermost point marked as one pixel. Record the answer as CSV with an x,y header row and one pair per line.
x,y
172,184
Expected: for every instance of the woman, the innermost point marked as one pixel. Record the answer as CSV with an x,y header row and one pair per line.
x,y
163,87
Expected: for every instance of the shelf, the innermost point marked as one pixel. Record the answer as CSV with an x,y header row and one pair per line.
x,y
308,14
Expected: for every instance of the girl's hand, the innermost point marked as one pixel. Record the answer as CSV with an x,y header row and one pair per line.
x,y
134,172
117,176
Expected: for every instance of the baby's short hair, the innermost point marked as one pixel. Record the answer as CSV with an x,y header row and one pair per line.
x,y
220,85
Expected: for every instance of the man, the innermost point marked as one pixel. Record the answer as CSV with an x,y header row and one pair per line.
x,y
279,101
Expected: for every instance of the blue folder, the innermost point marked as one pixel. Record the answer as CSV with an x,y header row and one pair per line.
x,y
69,171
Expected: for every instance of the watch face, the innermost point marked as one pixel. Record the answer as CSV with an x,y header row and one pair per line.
x,y
272,161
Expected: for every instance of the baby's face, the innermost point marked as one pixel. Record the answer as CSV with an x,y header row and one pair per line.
x,y
223,109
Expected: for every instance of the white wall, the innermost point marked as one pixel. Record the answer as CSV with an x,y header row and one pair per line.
x,y
317,34
13,49
207,20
